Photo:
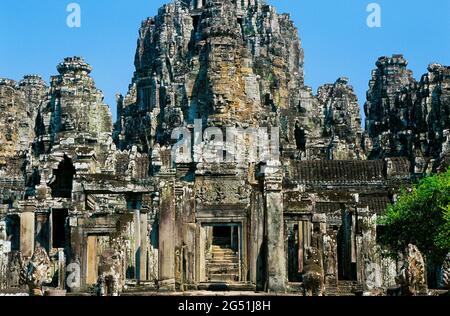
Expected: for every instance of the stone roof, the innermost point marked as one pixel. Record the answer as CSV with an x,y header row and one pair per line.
x,y
376,204
337,171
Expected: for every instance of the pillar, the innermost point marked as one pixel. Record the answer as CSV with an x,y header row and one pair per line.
x,y
75,272
137,243
201,255
276,260
143,249
140,230
167,233
27,229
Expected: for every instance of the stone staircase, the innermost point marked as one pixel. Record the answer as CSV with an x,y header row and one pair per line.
x,y
344,288
223,263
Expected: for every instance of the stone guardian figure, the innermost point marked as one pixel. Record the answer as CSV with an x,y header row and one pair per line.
x,y
38,271
313,278
412,273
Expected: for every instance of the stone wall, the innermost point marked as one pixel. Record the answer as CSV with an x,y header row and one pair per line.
x,y
409,118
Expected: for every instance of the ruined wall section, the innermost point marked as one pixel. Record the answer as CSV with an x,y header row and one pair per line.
x,y
12,102
433,109
19,103
408,118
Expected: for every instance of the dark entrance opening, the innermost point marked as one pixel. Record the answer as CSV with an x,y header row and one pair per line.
x,y
226,237
300,137
222,233
294,275
63,179
223,254
13,231
241,24
196,22
346,264
59,219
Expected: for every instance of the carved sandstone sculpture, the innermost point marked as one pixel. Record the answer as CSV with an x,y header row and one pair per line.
x,y
110,273
412,273
37,271
313,278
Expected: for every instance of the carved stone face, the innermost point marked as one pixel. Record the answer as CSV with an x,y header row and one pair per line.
x,y
220,104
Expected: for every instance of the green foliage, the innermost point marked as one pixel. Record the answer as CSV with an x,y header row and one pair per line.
x,y
421,216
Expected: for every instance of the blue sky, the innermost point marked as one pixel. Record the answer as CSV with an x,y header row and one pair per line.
x,y
337,41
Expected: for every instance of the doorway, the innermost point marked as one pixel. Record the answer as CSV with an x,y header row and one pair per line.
x,y
346,248
95,246
59,220
223,253
226,237
62,182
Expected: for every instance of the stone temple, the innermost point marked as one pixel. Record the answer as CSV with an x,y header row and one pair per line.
x,y
115,213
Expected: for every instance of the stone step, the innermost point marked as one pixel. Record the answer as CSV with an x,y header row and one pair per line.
x,y
222,261
221,286
224,257
344,288
222,270
339,294
223,277
219,247
224,251
227,265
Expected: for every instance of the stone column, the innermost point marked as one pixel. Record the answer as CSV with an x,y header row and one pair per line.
x,y
139,257
167,233
76,273
202,241
142,276
137,242
276,260
27,228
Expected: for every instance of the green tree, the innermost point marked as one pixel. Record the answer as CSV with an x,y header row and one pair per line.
x,y
421,216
